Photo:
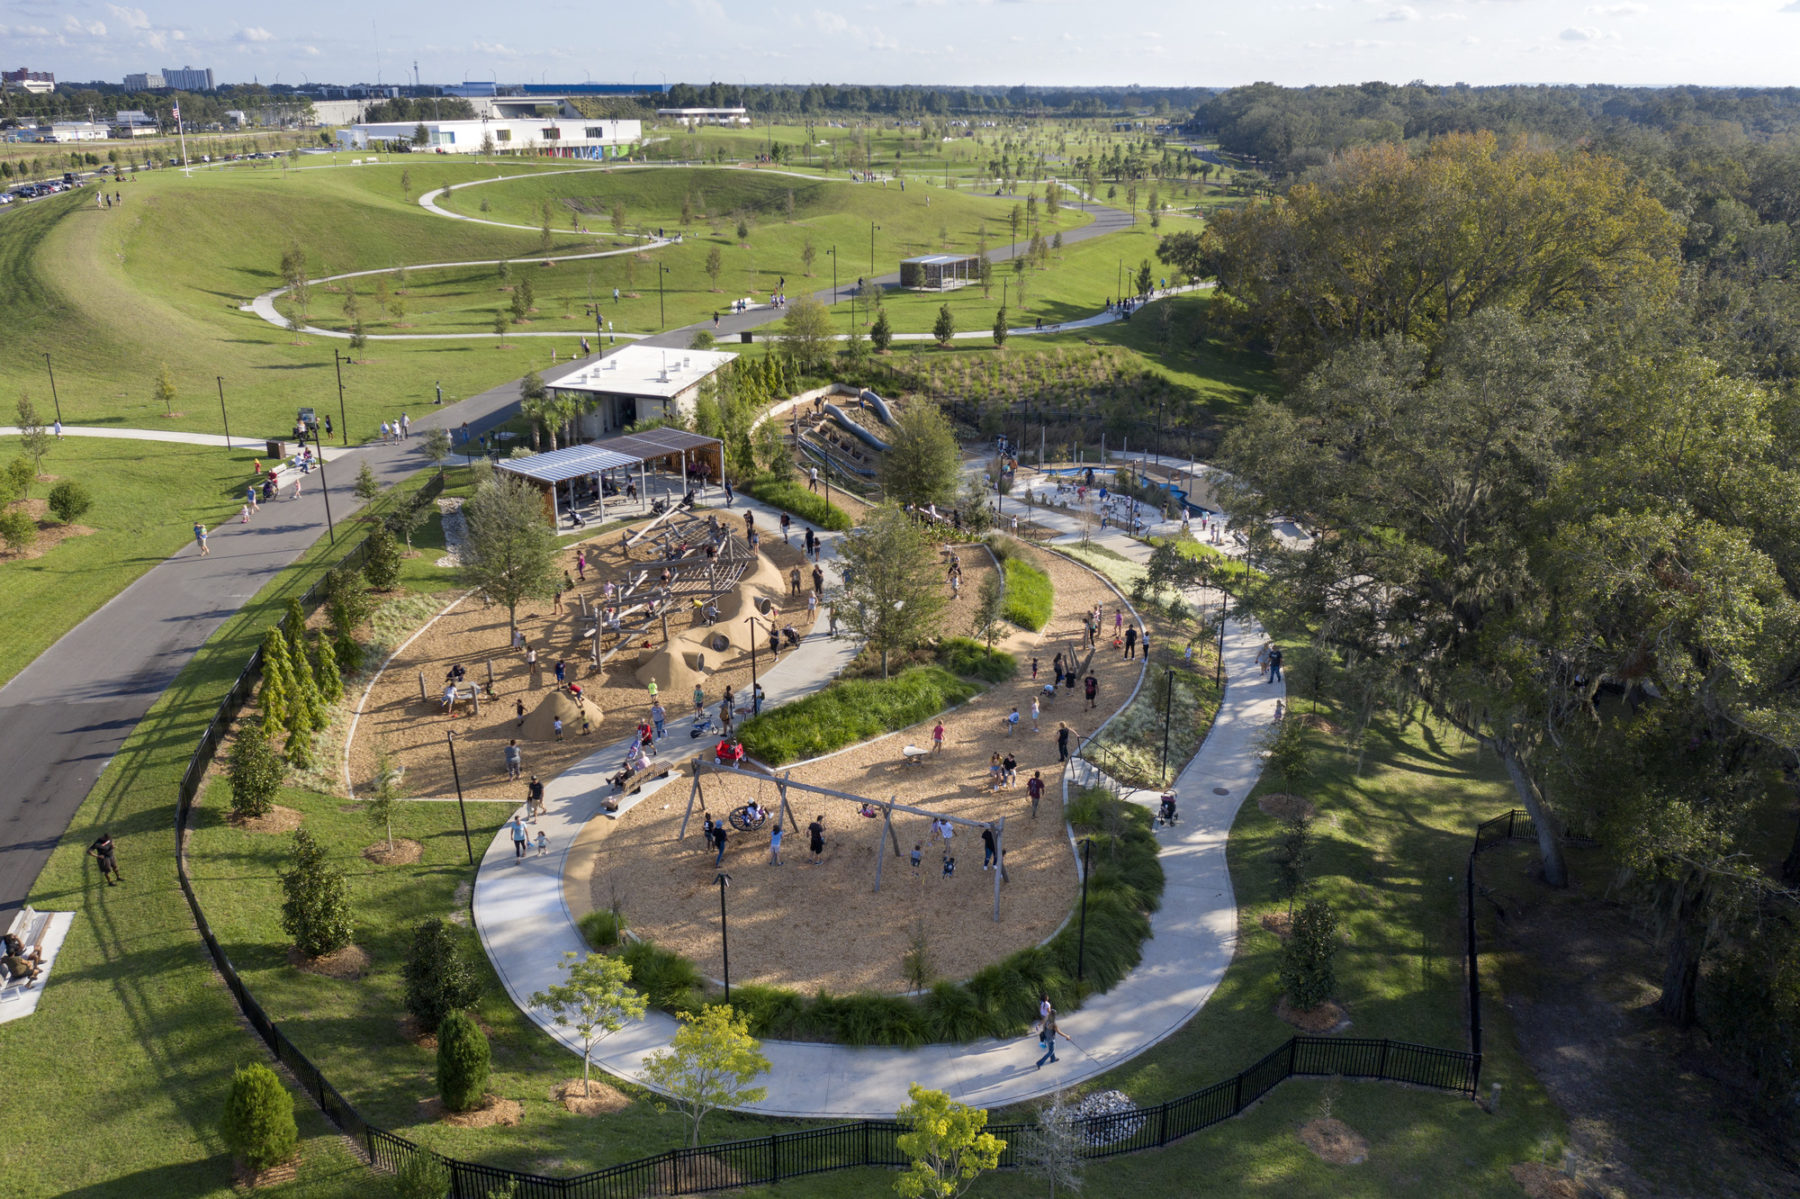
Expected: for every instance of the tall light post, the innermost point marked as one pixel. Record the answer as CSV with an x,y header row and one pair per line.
x,y
53,398
1087,846
468,844
724,880
324,485
832,254
872,228
1168,707
337,362
661,312
220,379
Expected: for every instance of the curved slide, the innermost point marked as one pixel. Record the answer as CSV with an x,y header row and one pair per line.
x,y
880,405
837,414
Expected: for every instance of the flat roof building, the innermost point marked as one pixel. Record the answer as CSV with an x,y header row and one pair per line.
x,y
562,137
706,116
639,383
940,272
38,83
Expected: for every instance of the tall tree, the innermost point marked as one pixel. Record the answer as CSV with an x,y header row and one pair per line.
x,y
709,1064
806,333
509,551
947,1143
923,462
594,998
892,594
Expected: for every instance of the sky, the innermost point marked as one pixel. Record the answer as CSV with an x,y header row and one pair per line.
x,y
1036,42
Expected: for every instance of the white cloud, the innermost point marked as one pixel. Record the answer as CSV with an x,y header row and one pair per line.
x,y
1617,10
255,33
1404,13
310,51
1585,33
91,28
24,31
829,22
131,18
1794,7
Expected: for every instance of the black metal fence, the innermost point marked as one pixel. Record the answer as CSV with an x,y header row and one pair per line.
x,y
769,1159
1512,826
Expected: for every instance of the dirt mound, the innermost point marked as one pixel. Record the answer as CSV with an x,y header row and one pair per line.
x,y
405,852
1335,1141
1542,1182
1285,807
493,1110
276,820
540,724
350,962
1326,1018
594,1099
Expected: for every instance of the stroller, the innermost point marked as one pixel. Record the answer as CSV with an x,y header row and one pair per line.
x,y
705,727
1166,813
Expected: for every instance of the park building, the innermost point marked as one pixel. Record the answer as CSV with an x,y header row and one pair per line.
x,y
705,116
557,137
639,383
69,131
940,272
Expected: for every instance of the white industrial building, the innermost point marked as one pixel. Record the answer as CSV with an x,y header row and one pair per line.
x,y
639,383
562,136
69,131
705,116
133,122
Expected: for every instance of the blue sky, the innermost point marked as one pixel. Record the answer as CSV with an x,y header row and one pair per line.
x,y
1053,42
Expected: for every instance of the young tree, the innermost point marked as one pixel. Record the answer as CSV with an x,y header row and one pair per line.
x,y
1286,751
893,593
709,1064
164,389
1052,1148
329,676
381,560
987,610
1293,854
524,293
504,272
808,255
715,263
618,216
437,447
366,487
36,438
68,500
278,696
315,910
806,333
594,999
463,1062
257,1124
500,326
440,977
1306,968
255,773
1000,329
944,329
509,550
1146,278
358,338
743,229
385,797
923,463
881,334
947,1143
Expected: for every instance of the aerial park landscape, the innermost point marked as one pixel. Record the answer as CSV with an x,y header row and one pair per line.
x,y
903,639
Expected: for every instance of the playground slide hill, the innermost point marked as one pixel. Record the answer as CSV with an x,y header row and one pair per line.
x,y
880,405
837,414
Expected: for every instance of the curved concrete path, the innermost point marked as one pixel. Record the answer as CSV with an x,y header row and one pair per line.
x,y
526,927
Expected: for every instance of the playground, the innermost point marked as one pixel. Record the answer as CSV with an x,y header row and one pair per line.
x,y
825,926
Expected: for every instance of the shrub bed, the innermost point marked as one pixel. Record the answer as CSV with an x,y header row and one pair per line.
x,y
1029,595
793,497
852,710
1001,999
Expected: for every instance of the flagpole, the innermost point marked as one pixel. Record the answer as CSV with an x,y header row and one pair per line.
x,y
182,134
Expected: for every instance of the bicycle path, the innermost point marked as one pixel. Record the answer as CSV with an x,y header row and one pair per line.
x,y
526,927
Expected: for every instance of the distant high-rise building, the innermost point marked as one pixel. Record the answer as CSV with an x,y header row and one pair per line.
x,y
147,81
188,79
22,80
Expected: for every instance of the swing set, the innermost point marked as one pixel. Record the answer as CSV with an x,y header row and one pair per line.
x,y
889,836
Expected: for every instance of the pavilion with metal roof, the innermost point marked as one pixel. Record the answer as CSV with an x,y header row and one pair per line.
x,y
581,479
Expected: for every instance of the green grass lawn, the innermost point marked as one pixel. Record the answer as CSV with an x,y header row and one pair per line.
x,y
147,496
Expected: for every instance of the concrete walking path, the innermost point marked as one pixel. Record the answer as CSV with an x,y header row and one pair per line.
x,y
526,927
331,452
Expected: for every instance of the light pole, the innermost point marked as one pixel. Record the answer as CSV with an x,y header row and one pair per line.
x,y
1119,285
220,379
338,363
53,399
468,845
724,880
872,228
661,313
1224,603
1087,845
1168,706
324,485
832,253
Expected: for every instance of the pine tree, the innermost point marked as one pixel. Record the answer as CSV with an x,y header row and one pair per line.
x,y
299,748
329,677
258,1122
255,773
315,911
306,687
276,694
463,1060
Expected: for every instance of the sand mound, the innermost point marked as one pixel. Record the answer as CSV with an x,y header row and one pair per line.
x,y
540,726
1335,1141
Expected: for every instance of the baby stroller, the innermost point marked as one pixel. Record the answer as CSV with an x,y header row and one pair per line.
x,y
1166,813
704,728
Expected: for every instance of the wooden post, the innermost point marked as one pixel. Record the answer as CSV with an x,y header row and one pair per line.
x,y
490,668
887,826
781,789
475,699
892,835
423,698
693,792
1000,856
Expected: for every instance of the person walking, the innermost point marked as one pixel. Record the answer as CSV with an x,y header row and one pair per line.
x,y
937,738
1131,636
1275,665
818,580
1034,790
812,479
775,844
1047,1038
720,836
512,760
786,523
534,797
794,581
1035,712
518,836
658,716
699,701
105,852
990,854
405,426
1262,660
250,498
1092,686
200,538
543,843
1062,742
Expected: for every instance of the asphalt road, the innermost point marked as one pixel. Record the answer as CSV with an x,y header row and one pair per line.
x,y
63,717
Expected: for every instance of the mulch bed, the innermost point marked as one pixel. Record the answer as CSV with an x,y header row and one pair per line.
x,y
493,1111
277,820
1328,1017
405,852
1544,1182
350,962
594,1099
1334,1141
1285,807
244,1178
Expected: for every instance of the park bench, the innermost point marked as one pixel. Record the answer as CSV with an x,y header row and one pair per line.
x,y
632,783
913,755
30,926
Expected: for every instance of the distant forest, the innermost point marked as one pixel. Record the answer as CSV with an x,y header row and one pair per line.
x,y
822,98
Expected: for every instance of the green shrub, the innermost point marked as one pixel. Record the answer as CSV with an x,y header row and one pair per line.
x,y
952,1014
440,978
422,1176
792,496
602,928
463,1061
668,980
315,911
771,1011
258,1121
850,711
381,564
69,500
256,772
971,659
1306,968
1029,595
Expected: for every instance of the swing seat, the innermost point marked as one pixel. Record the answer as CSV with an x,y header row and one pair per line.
x,y
914,755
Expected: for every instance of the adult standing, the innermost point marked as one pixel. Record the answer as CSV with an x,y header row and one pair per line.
x,y
518,836
658,715
1275,665
104,850
990,855
1092,687
200,537
815,838
1034,788
1062,742
1131,636
534,797
512,760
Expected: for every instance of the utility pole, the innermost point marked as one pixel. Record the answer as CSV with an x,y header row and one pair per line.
x,y
53,398
338,363
468,845
221,381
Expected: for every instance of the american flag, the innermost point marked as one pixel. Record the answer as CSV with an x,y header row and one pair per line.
x,y
177,109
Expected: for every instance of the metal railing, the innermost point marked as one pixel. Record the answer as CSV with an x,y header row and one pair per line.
x,y
1512,826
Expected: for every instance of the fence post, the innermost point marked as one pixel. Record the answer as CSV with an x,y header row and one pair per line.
x,y
1237,1093
865,1153
1381,1064
1162,1124
774,1158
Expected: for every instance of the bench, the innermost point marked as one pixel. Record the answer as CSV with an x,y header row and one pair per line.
x,y
632,783
914,756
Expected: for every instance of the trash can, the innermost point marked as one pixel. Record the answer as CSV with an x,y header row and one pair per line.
x,y
746,337
276,448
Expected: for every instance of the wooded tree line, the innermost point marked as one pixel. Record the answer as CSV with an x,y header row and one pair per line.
x,y
1556,492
